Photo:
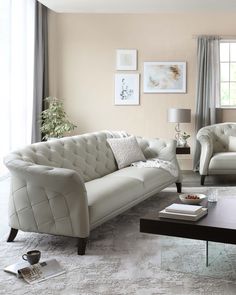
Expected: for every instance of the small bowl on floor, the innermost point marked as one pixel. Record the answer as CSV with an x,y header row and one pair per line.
x,y
192,199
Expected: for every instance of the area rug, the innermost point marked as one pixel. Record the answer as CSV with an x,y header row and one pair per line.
x,y
121,260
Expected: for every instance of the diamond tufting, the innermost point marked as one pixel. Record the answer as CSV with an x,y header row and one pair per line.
x,y
87,154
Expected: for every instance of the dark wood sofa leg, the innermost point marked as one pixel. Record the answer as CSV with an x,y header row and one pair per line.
x,y
179,187
203,179
12,235
82,242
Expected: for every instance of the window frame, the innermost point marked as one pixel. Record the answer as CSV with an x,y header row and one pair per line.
x,y
230,106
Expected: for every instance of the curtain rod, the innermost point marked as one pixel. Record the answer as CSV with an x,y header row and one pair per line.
x,y
223,37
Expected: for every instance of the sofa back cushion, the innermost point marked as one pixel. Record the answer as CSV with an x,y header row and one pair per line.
x,y
88,154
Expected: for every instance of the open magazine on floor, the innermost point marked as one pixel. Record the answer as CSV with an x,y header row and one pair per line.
x,y
37,272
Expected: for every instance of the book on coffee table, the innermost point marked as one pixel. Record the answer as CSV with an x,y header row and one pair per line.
x,y
184,208
183,216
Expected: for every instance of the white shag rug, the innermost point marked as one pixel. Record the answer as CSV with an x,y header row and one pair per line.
x,y
119,260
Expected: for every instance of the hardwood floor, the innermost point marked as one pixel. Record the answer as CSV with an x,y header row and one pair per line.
x,y
191,178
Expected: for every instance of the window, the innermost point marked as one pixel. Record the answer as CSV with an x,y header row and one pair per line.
x,y
228,73
16,74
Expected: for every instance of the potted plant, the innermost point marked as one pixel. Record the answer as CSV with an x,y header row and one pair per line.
x,y
54,119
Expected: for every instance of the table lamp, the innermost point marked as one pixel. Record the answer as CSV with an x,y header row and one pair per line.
x,y
178,116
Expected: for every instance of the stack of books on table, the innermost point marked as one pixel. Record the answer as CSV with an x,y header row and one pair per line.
x,y
184,212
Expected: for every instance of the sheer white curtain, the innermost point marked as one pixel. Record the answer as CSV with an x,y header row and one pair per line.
x,y
17,29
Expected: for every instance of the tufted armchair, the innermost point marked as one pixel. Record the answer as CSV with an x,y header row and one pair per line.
x,y
71,185
217,156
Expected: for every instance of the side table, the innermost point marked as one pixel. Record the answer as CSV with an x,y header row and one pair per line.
x,y
180,150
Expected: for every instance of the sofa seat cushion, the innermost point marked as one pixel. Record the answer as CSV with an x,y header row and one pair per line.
x,y
113,191
109,193
221,161
150,177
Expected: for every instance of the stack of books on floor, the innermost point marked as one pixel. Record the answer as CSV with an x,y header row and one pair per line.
x,y
184,212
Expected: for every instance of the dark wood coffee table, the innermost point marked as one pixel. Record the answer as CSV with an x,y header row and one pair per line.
x,y
219,225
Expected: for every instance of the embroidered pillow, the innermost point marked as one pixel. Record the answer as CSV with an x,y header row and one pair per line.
x,y
126,150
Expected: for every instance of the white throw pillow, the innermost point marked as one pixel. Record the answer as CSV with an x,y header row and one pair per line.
x,y
126,150
232,144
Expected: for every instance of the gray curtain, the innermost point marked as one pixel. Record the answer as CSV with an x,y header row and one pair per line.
x,y
40,68
208,85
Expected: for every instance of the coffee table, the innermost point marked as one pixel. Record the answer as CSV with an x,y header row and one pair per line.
x,y
219,225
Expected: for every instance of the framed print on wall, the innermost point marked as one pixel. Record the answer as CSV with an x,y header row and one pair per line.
x,y
164,77
126,59
126,89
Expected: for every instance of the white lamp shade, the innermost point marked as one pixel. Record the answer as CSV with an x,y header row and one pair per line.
x,y
179,115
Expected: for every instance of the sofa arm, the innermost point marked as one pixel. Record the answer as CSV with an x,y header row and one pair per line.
x,y
47,199
206,142
164,149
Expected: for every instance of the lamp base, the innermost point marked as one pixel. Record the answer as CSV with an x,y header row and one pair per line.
x,y
177,134
181,142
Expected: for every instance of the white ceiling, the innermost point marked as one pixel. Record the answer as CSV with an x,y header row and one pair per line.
x,y
139,6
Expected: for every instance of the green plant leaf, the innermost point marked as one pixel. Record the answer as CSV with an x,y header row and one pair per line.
x,y
54,120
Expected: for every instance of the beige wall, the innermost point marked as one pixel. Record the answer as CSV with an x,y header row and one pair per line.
x,y
82,55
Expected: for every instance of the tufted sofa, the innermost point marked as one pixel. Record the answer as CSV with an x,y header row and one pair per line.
x,y
71,185
215,155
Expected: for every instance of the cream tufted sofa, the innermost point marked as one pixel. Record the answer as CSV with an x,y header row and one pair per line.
x,y
71,185
215,156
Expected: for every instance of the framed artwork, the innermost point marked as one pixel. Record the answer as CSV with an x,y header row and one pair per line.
x,y
126,89
126,59
164,77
